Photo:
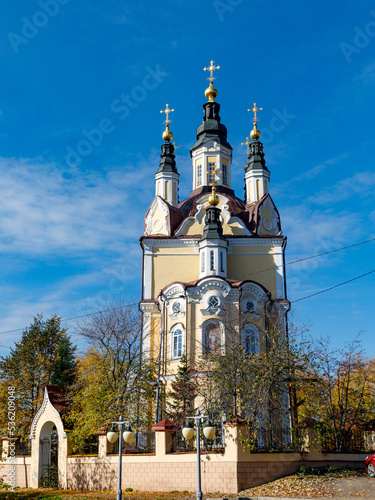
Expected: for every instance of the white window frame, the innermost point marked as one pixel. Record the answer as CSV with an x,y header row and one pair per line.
x,y
175,328
199,174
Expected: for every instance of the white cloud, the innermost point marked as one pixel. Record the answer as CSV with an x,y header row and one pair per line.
x,y
41,215
360,185
368,74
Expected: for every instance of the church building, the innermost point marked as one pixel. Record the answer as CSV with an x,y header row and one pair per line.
x,y
213,259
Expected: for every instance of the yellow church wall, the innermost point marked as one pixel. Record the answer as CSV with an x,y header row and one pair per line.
x,y
167,269
172,251
268,250
240,267
155,335
233,229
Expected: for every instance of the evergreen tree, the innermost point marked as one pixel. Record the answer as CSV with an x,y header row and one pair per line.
x,y
182,394
43,356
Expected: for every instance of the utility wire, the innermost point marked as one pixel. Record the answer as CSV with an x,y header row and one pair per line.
x,y
244,276
332,287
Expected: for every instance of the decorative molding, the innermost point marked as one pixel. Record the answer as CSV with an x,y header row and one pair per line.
x,y
173,290
256,242
39,413
157,202
256,291
169,242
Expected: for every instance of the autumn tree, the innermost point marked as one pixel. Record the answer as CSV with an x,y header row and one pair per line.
x,y
338,392
112,378
43,356
250,377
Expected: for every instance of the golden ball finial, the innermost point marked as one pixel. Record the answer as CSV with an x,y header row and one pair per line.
x,y
167,134
210,93
255,134
213,199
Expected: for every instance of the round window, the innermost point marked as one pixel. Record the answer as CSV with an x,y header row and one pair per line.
x,y
176,307
213,301
249,306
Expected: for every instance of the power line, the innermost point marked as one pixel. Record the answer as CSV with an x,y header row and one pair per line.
x,y
332,287
308,258
243,276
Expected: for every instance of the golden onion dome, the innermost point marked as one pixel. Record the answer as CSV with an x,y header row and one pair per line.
x,y
210,93
255,134
167,134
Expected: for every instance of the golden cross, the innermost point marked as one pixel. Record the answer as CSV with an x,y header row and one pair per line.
x,y
167,111
247,143
214,173
255,109
211,69
176,147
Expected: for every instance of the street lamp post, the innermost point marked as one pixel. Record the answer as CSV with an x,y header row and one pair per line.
x,y
188,433
128,437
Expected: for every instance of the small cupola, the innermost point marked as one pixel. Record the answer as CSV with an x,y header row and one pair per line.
x,y
167,176
257,175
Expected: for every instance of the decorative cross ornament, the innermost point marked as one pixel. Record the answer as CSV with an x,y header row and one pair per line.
x,y
167,111
211,69
255,109
214,173
247,144
175,147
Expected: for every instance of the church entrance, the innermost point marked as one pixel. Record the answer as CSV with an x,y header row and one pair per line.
x,y
48,456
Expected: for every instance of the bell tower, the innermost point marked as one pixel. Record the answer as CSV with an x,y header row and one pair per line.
x,y
211,150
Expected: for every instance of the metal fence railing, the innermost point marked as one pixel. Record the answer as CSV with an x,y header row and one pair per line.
x,y
143,442
348,442
180,444
269,439
23,448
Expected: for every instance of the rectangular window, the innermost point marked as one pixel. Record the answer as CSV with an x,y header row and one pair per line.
x,y
224,169
199,175
221,262
212,261
211,166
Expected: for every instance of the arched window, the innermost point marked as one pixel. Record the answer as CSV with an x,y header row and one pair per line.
x,y
213,337
250,339
177,341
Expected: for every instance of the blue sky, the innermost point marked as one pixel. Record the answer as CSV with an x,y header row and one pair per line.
x,y
71,213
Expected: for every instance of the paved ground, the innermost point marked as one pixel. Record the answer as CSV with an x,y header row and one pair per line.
x,y
354,485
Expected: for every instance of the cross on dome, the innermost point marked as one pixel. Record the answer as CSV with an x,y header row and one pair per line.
x,y
247,144
167,111
254,109
211,69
